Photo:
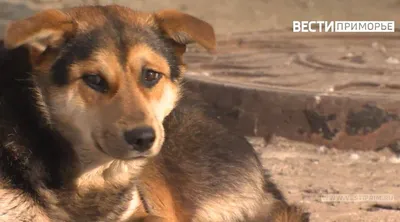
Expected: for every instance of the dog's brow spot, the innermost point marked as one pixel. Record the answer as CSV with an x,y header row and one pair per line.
x,y
143,56
78,49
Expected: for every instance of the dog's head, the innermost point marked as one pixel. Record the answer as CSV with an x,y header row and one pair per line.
x,y
107,76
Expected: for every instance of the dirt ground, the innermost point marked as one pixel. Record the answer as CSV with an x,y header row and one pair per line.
x,y
303,171
307,172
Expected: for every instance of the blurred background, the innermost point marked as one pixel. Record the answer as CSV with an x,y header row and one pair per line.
x,y
233,15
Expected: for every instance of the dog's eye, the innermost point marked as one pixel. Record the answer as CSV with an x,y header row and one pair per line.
x,y
95,82
150,77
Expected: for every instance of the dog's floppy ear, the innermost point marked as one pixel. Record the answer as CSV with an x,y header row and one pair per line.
x,y
48,28
184,29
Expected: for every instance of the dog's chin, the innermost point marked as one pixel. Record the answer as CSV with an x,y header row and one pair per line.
x,y
123,157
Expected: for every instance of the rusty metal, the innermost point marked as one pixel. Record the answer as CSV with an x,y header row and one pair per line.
x,y
339,90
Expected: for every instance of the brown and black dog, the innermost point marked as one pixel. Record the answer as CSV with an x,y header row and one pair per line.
x,y
91,128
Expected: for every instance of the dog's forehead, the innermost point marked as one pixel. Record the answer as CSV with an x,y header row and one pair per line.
x,y
115,30
91,17
104,25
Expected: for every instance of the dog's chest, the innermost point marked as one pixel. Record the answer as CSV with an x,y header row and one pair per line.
x,y
131,207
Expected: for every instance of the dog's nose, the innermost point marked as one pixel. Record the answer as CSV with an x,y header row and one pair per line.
x,y
141,138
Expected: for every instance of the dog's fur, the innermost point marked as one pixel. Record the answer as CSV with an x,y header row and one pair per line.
x,y
63,156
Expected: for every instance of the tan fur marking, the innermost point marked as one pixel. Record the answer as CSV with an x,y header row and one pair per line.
x,y
142,56
133,206
115,172
165,94
103,63
164,100
157,191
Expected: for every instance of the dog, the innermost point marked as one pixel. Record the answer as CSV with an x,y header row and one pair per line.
x,y
94,125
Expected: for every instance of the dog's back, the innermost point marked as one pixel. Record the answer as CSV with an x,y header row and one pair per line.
x,y
212,174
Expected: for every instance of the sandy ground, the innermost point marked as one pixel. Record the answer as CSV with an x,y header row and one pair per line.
x,y
306,173
303,171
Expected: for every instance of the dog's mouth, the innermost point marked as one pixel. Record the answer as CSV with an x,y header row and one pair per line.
x,y
98,147
135,157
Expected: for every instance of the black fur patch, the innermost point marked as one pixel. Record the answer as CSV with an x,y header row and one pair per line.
x,y
31,154
116,30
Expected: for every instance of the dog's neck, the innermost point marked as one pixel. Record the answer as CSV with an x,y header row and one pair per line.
x,y
115,172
